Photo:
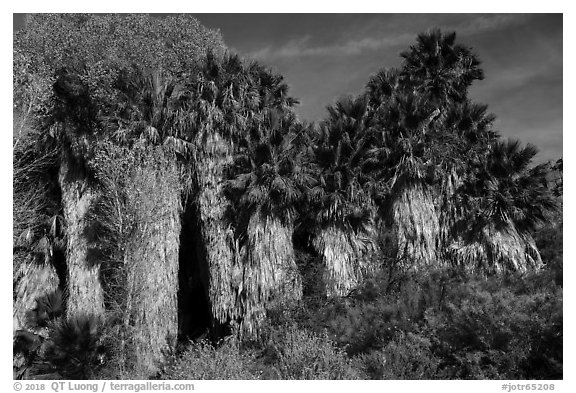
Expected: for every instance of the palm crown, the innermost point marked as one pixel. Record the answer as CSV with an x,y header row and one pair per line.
x,y
338,195
506,190
269,172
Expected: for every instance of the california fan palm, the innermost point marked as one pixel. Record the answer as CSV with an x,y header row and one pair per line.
x,y
142,185
418,153
505,198
73,125
399,164
269,178
342,214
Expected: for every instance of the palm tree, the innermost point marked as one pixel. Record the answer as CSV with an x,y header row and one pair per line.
x,y
142,113
341,209
506,198
400,164
94,49
72,126
227,99
269,179
419,152
439,69
220,105
142,190
467,136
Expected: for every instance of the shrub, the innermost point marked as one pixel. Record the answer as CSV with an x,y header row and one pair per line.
x,y
407,356
444,324
491,329
205,361
73,349
549,240
296,353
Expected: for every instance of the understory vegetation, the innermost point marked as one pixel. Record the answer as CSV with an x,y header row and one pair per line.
x,y
175,219
441,324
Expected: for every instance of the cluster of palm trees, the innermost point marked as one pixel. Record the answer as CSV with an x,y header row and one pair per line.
x,y
412,157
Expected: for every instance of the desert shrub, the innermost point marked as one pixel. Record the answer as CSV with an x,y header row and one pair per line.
x,y
406,356
549,240
446,324
290,352
203,360
491,331
385,305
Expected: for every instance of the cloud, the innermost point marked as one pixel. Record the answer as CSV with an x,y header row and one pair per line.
x,y
485,23
302,47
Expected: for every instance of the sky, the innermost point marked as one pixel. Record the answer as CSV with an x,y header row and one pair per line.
x,y
325,56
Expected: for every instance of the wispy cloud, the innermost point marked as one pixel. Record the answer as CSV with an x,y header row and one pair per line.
x,y
490,22
302,47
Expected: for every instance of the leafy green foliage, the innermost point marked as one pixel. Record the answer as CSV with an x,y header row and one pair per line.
x,y
98,46
498,334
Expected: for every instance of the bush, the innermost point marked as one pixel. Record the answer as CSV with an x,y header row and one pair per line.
x,y
444,324
204,361
294,353
384,306
549,241
507,331
407,356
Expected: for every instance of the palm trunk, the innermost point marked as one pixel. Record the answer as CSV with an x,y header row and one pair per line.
x,y
416,225
152,262
451,212
270,271
85,294
494,251
346,256
211,157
